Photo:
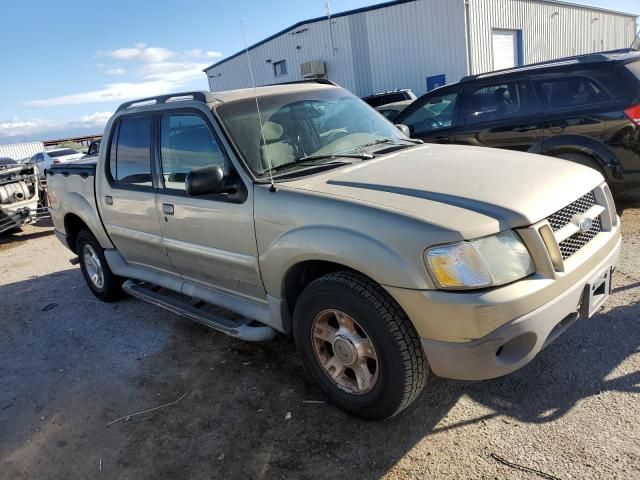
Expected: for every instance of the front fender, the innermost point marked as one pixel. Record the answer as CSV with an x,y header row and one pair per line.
x,y
602,154
344,246
74,203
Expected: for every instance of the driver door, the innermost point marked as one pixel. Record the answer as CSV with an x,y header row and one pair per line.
x,y
210,239
433,118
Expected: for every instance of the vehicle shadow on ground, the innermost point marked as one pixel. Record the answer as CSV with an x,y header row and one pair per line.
x,y
26,233
320,441
128,357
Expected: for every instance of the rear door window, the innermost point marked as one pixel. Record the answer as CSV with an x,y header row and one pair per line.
x,y
130,155
499,101
569,92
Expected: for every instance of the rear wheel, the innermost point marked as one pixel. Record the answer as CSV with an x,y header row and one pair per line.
x,y
359,346
99,277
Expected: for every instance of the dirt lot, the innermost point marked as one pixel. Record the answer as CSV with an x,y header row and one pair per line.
x,y
69,365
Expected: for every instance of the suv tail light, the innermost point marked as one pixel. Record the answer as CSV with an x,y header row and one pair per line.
x,y
633,113
58,161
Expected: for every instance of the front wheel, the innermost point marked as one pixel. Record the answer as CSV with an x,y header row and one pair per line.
x,y
99,277
359,346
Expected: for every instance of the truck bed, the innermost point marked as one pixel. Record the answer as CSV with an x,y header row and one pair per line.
x,y
71,190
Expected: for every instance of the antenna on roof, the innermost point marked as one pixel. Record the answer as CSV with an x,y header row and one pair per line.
x,y
253,83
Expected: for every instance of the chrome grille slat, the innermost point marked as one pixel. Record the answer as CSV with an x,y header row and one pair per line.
x,y
565,216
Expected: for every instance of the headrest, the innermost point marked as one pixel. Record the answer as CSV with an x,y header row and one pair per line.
x,y
272,131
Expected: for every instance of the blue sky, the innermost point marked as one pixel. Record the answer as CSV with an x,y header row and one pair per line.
x,y
67,64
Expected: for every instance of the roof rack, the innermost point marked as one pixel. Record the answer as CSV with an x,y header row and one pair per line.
x,y
322,81
197,96
575,59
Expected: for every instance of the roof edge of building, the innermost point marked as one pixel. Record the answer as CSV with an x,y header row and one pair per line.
x,y
391,4
377,6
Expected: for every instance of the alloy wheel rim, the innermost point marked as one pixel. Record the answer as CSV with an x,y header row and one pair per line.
x,y
93,266
345,352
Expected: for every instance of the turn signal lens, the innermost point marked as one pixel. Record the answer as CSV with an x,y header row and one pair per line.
x,y
457,266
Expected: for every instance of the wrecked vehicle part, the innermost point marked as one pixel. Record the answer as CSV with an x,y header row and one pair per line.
x,y
19,197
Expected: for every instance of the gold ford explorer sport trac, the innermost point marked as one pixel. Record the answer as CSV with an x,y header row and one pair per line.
x,y
306,212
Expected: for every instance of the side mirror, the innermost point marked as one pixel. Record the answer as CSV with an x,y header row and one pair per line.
x,y
404,129
207,181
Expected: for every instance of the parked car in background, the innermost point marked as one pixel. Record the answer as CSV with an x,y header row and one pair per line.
x,y
44,160
383,257
585,109
6,162
391,110
391,96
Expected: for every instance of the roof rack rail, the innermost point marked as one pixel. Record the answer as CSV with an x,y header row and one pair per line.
x,y
574,59
197,96
322,81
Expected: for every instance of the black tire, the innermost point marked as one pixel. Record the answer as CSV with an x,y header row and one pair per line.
x,y
403,367
111,285
583,159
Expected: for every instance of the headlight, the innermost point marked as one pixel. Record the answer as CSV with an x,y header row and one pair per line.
x,y
480,263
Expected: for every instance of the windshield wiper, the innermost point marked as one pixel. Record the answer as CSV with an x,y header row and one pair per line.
x,y
381,141
324,156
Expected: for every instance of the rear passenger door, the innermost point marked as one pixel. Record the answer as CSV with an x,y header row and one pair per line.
x,y
500,114
573,104
126,194
433,118
210,239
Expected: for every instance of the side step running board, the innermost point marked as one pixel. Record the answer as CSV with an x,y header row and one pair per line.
x,y
243,331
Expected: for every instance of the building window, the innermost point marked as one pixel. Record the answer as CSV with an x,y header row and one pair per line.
x,y
280,68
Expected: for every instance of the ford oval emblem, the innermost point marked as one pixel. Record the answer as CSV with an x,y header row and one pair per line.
x,y
585,224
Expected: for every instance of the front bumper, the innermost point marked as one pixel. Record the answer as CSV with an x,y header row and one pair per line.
x,y
482,335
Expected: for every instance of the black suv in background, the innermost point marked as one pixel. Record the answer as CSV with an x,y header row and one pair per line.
x,y
585,109
392,96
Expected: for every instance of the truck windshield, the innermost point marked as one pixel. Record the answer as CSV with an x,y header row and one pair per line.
x,y
299,126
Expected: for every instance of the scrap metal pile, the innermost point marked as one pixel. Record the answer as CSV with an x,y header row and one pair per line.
x,y
20,197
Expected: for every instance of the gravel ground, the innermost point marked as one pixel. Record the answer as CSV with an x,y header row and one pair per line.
x,y
69,365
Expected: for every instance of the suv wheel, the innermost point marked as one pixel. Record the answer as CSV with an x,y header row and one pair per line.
x,y
582,159
359,346
99,277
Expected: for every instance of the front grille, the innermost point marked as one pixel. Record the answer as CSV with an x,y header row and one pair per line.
x,y
565,216
574,243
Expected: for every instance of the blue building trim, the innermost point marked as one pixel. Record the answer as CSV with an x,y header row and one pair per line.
x,y
306,22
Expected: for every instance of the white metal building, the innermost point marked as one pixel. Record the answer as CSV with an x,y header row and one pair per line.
x,y
18,151
422,44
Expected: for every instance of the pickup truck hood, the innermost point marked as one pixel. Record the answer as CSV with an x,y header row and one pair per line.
x,y
471,190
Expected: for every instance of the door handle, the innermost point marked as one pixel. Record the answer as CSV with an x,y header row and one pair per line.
x,y
528,128
108,200
167,209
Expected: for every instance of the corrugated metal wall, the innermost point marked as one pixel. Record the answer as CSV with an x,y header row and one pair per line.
x,y
304,43
549,30
399,46
384,49
18,151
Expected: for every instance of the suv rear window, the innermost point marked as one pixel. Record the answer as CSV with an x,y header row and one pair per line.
x,y
568,91
62,153
634,68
